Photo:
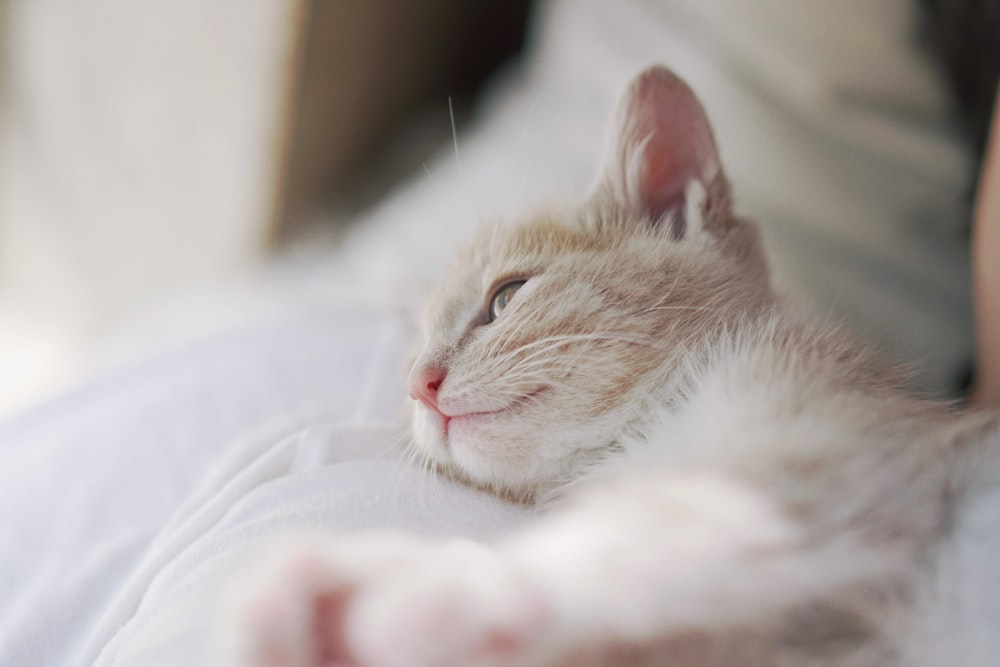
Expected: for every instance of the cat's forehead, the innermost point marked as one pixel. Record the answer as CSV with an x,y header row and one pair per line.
x,y
560,246
505,251
544,237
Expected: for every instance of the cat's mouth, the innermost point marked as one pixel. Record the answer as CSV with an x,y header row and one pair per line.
x,y
511,409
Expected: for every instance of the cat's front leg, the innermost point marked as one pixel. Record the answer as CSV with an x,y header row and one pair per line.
x,y
645,559
652,556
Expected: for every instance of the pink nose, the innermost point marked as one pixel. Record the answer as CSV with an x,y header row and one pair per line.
x,y
424,383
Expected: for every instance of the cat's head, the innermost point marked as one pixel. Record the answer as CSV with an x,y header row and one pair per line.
x,y
550,337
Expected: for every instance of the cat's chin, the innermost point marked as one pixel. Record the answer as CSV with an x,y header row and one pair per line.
x,y
430,433
437,434
506,454
465,445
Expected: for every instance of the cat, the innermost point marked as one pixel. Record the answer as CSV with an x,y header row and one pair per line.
x,y
730,483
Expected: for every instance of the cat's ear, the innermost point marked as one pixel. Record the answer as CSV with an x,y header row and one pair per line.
x,y
661,144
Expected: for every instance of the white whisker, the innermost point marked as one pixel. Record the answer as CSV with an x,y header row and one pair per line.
x,y
528,160
454,134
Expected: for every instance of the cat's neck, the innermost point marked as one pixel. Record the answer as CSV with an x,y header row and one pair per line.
x,y
778,358
779,345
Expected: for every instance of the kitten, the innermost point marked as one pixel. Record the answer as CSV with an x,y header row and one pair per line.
x,y
742,486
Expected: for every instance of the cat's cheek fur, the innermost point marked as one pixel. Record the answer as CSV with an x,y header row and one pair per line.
x,y
519,456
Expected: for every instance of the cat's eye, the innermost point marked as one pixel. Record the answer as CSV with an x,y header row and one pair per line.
x,y
502,297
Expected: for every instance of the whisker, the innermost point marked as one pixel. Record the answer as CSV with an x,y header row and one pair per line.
x,y
404,464
694,308
503,340
553,342
434,179
454,134
528,161
393,444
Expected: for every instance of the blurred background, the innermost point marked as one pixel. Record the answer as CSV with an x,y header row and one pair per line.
x,y
155,154
151,148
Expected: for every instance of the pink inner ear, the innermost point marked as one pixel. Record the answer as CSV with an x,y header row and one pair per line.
x,y
665,121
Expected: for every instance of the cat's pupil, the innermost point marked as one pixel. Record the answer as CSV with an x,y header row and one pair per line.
x,y
502,297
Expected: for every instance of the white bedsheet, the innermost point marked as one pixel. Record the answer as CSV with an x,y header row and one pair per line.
x,y
89,480
123,502
320,478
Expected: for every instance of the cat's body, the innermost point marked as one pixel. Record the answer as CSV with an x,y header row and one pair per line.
x,y
742,487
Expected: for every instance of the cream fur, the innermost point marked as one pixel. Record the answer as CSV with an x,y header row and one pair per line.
x,y
731,484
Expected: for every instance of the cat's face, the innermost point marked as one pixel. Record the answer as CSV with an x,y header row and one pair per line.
x,y
551,336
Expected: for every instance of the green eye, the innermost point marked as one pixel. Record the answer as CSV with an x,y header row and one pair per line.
x,y
502,297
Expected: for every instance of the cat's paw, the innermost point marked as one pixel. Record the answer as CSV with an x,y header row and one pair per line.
x,y
287,610
385,601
